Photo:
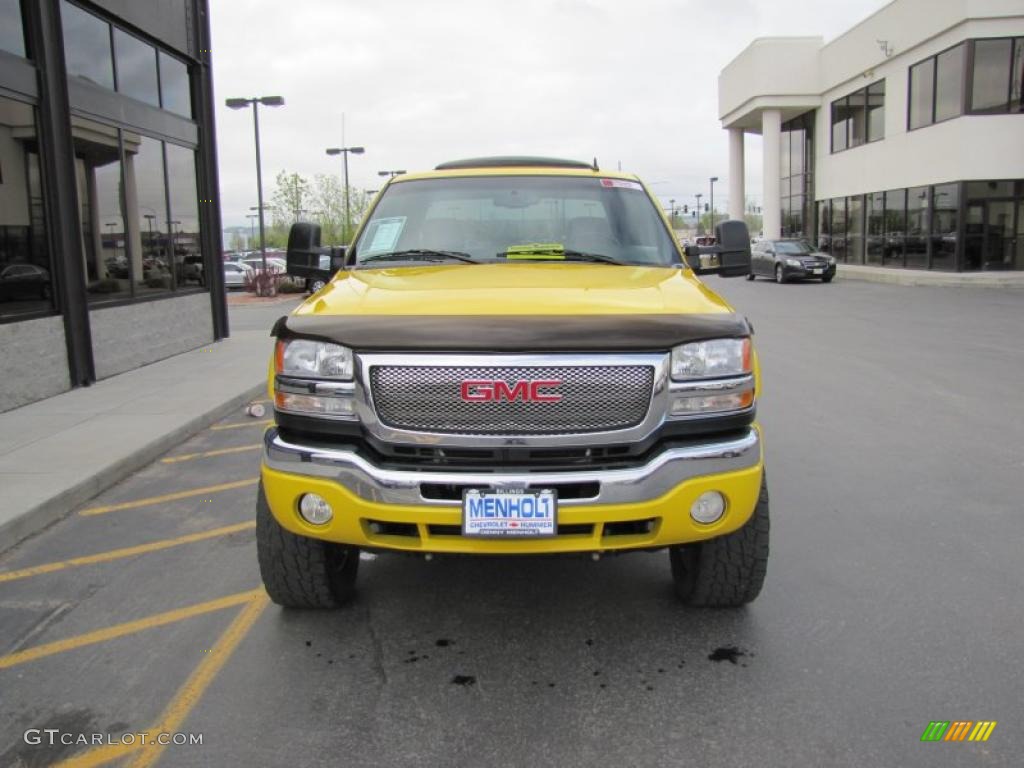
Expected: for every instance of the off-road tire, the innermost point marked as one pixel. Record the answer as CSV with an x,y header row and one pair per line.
x,y
300,572
728,571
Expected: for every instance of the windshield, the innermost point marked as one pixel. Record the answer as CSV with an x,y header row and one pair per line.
x,y
799,248
516,218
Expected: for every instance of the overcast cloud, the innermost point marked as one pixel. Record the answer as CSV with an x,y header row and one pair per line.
x,y
628,81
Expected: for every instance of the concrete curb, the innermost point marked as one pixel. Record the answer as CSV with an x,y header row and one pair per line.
x,y
919,277
46,513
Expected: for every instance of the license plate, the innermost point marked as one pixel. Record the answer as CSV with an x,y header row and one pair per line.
x,y
493,513
817,271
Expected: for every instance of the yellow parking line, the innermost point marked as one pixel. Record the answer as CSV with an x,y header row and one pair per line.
x,y
263,423
208,454
167,497
128,628
117,554
192,691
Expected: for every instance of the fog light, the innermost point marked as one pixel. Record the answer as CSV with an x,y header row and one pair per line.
x,y
708,507
315,509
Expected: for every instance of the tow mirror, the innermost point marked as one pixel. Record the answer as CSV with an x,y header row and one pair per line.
x,y
307,258
729,257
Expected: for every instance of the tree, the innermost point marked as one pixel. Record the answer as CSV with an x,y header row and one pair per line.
x,y
291,197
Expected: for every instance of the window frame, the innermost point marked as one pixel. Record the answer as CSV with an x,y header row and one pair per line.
x,y
1007,109
846,102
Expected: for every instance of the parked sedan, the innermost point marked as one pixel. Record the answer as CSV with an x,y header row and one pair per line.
x,y
24,281
235,275
790,259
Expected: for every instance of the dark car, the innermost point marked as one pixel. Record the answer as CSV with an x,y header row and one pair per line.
x,y
790,259
24,281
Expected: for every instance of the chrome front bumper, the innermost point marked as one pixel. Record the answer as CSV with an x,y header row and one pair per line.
x,y
661,474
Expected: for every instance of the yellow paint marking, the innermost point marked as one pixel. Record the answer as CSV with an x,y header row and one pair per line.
x,y
192,691
167,497
209,454
117,554
173,716
263,423
128,628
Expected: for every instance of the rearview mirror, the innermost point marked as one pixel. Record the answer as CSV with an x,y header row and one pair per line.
x,y
730,257
307,258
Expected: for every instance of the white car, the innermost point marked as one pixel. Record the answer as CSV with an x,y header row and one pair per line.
x,y
235,275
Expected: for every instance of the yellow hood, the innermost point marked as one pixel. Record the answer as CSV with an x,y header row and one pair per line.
x,y
514,289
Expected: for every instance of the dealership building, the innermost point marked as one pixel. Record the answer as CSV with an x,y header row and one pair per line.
x,y
899,143
109,229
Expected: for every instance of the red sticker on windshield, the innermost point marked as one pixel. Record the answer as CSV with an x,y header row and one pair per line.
x,y
621,184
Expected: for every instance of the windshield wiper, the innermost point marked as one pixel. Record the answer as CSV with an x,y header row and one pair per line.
x,y
557,254
420,254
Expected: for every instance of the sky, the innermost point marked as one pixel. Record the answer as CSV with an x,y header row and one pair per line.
x,y
418,82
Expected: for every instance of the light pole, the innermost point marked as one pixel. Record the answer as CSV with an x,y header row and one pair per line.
x,y
713,180
267,101
698,196
672,211
344,152
392,174
252,227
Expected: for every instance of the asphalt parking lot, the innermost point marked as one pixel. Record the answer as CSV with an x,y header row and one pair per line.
x,y
894,437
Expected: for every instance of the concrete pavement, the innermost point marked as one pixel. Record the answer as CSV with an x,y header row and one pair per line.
x,y
59,452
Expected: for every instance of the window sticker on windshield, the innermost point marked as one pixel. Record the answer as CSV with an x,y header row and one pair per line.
x,y
386,234
622,184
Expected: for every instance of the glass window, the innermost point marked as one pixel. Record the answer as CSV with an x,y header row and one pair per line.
x,y
87,45
104,239
838,228
136,68
855,229
784,147
876,111
990,81
916,242
875,243
146,204
949,83
895,227
922,86
824,239
12,34
183,226
839,113
25,273
944,225
857,117
174,86
796,153
1017,76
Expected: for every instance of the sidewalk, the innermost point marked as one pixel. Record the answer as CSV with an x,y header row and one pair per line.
x,y
60,452
894,276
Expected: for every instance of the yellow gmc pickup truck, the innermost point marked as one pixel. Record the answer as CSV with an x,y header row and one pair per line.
x,y
514,357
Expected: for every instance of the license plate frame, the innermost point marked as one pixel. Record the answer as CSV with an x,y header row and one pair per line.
x,y
484,526
818,271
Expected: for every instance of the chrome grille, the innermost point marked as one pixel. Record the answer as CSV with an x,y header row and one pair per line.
x,y
594,399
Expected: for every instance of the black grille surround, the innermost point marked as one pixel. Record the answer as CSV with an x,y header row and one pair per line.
x,y
593,398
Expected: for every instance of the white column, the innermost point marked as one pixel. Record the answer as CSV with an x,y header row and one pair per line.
x,y
737,190
771,207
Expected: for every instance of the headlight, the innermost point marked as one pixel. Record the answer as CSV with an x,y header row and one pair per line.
x,y
711,359
314,359
831,259
794,262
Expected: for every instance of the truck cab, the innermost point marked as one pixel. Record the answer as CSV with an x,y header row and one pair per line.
x,y
514,357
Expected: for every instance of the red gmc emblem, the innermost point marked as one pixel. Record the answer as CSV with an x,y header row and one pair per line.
x,y
526,391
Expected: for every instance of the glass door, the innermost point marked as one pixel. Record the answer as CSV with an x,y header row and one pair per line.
x,y
999,235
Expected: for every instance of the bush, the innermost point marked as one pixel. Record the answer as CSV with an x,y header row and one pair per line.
x,y
158,281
